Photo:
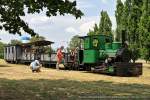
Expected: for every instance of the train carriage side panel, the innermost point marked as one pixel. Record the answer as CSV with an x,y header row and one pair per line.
x,y
53,57
28,56
46,57
32,56
18,53
23,55
14,53
10,53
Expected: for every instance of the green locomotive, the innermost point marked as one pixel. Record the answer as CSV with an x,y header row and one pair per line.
x,y
100,54
98,48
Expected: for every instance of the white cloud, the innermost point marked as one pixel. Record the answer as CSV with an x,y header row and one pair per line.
x,y
36,19
107,1
89,24
84,28
104,1
3,32
62,28
6,37
84,4
39,19
71,30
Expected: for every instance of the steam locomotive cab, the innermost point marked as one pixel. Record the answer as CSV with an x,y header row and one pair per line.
x,y
101,54
96,49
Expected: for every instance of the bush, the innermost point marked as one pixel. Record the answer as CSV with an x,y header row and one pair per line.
x,y
1,56
135,51
145,53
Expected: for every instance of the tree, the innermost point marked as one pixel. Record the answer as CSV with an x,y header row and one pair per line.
x,y
2,50
119,19
12,10
15,42
125,19
144,30
91,32
37,38
135,22
134,18
105,25
75,42
96,29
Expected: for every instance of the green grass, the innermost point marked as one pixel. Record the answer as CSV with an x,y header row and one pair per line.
x,y
63,89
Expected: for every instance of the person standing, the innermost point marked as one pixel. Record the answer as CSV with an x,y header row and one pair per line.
x,y
73,57
59,56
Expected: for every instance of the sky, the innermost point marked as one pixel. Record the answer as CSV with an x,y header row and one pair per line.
x,y
60,29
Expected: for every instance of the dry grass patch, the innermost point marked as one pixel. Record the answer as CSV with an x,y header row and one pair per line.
x,y
17,82
13,71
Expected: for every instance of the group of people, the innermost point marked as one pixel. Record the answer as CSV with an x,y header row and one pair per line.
x,y
36,65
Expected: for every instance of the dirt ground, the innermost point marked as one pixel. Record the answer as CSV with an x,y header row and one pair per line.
x,y
17,72
18,79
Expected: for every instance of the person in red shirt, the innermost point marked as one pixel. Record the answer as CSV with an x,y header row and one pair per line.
x,y
59,56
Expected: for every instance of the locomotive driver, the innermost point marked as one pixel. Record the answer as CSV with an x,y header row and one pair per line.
x,y
60,56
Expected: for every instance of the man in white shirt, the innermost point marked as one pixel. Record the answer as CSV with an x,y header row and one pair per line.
x,y
36,66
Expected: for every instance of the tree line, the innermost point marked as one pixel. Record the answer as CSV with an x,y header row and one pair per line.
x,y
132,19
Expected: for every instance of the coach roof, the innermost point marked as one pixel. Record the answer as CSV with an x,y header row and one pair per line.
x,y
36,43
